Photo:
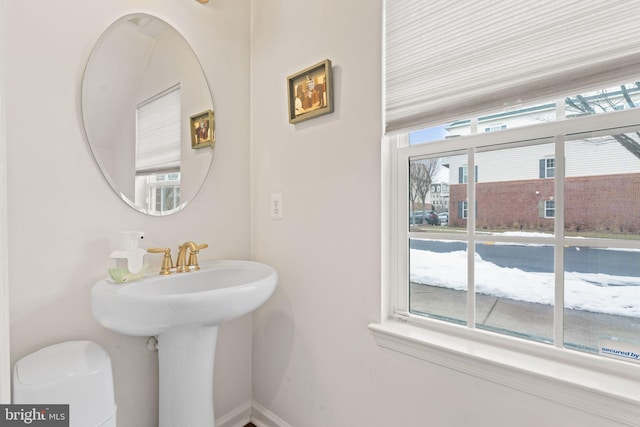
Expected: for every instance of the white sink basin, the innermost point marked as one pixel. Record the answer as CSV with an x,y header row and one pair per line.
x,y
184,310
219,291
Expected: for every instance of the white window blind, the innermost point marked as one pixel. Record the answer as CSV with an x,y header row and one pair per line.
x,y
447,60
158,133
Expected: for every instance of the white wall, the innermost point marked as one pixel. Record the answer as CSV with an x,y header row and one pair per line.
x,y
61,212
315,364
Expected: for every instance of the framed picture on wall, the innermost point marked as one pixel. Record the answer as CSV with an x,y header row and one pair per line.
x,y
310,92
203,130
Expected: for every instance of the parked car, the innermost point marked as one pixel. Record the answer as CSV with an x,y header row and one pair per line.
x,y
416,218
444,218
422,217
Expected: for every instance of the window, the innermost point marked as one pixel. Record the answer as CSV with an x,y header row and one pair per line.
x,y
463,174
528,320
166,198
510,245
553,261
462,209
547,168
160,191
158,152
549,208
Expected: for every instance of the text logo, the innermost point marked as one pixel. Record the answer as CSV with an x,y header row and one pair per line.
x,y
34,415
620,348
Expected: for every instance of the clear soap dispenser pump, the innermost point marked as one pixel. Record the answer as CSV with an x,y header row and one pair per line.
x,y
127,263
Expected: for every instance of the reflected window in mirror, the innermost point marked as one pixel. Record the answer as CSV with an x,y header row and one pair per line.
x,y
158,192
157,186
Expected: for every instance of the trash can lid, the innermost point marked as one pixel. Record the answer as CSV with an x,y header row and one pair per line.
x,y
61,360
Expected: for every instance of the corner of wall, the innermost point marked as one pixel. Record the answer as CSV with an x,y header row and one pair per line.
x,y
5,363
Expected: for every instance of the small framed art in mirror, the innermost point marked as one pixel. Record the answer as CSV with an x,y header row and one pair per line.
x,y
203,130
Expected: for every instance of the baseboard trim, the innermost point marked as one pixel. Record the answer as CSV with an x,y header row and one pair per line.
x,y
239,417
262,417
251,412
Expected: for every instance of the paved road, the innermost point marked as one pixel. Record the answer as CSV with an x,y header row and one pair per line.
x,y
540,258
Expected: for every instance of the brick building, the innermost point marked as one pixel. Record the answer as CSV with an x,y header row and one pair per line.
x,y
609,203
515,185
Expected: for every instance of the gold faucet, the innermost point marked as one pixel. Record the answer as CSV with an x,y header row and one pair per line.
x,y
181,264
167,263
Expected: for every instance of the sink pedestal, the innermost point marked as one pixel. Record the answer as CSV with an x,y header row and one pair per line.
x,y
186,359
184,311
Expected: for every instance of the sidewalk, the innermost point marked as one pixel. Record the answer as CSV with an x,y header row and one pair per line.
x,y
524,319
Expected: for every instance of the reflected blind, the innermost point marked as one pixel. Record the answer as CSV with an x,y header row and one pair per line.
x,y
158,133
446,60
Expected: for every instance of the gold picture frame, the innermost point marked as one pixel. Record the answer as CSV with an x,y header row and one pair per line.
x,y
310,92
203,130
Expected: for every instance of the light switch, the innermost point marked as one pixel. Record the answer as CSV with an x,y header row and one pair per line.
x,y
276,206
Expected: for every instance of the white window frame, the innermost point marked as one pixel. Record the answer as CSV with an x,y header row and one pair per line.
x,y
465,209
465,174
549,210
548,168
157,187
591,383
150,183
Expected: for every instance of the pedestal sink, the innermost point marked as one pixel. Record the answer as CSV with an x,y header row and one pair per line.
x,y
184,311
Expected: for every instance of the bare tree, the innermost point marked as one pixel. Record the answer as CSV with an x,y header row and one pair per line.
x,y
421,174
604,102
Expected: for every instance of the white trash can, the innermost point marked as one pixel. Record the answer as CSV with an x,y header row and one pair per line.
x,y
77,373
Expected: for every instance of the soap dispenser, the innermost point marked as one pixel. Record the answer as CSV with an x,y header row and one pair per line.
x,y
126,263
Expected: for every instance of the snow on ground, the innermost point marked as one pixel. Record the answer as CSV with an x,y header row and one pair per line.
x,y
599,293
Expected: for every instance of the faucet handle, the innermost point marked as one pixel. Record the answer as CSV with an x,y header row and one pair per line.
x,y
193,256
167,262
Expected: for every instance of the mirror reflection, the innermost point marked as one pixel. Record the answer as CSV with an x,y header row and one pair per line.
x,y
145,100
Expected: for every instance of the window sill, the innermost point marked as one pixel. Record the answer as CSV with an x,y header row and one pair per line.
x,y
593,384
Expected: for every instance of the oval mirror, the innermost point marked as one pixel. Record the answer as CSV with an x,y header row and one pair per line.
x,y
148,114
